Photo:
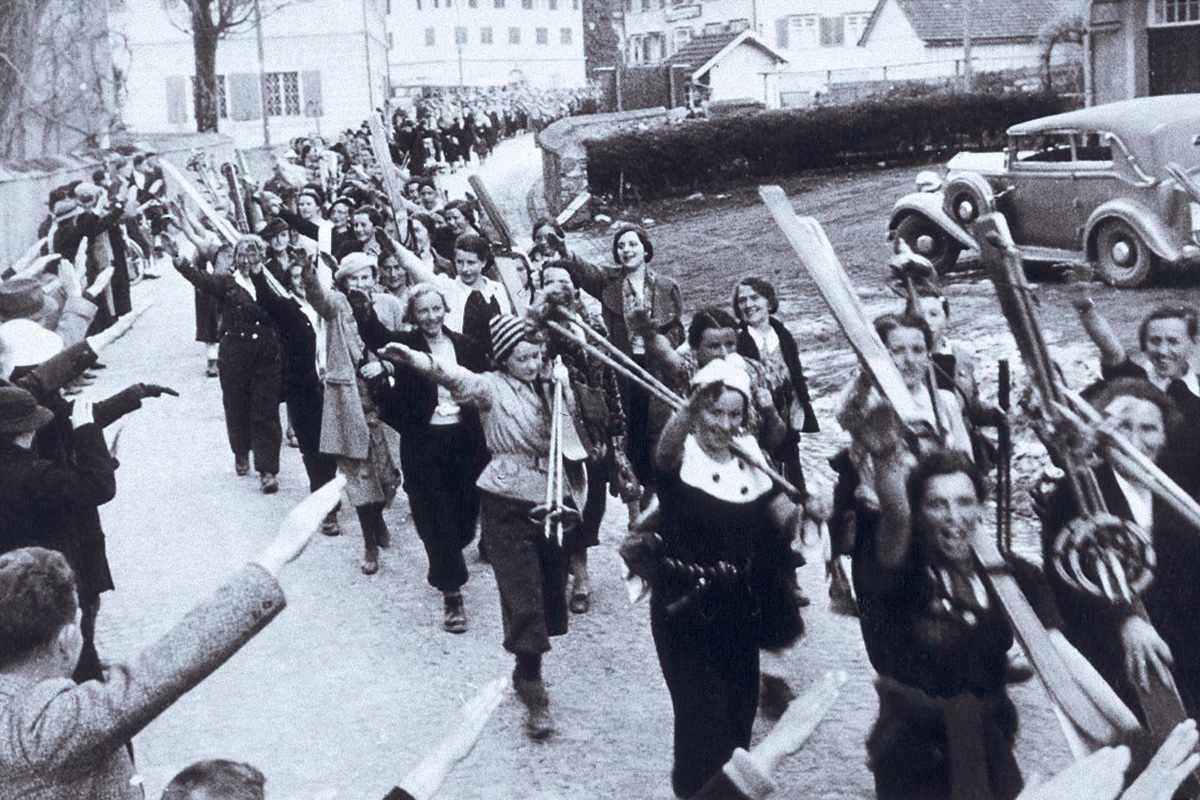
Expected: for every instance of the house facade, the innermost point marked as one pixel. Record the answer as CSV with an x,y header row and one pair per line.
x,y
848,41
1138,48
325,64
487,43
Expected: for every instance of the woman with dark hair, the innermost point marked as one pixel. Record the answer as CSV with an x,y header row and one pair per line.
x,y
460,221
473,299
713,603
634,288
934,630
309,222
764,338
530,568
1127,649
549,243
249,362
442,450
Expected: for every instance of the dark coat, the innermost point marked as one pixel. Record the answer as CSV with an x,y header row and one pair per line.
x,y
1172,600
299,349
608,286
241,315
791,356
45,504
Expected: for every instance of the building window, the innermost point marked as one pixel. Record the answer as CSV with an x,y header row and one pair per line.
x,y
1175,12
564,36
514,35
283,94
472,3
713,28
527,4
485,35
460,35
833,32
543,35
430,37
739,25
498,3
645,5
554,5
682,37
804,32
855,25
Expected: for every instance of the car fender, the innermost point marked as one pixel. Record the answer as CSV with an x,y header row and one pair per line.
x,y
929,205
1143,221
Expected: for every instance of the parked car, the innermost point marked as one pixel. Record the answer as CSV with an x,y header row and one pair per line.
x,y
1115,185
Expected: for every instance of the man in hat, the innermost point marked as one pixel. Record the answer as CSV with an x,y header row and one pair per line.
x,y
69,315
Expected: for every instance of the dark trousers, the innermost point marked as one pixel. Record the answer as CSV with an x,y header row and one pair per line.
x,y
709,659
250,392
588,533
88,668
531,574
304,408
439,467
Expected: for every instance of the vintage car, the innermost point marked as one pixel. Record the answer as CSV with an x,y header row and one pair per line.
x,y
1115,185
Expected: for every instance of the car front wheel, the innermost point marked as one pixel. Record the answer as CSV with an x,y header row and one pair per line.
x,y
924,237
1122,259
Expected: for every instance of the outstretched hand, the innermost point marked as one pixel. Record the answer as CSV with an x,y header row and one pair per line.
x,y
299,526
398,353
154,390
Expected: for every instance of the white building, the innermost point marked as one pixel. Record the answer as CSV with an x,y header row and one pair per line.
x,y
487,43
847,41
326,65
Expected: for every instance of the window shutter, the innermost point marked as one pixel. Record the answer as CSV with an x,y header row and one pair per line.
x,y
313,106
781,33
832,32
177,100
244,101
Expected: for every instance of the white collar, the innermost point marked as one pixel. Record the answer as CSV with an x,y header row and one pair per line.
x,y
1141,502
245,283
484,285
766,343
733,481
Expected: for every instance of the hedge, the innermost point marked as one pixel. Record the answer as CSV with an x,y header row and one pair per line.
x,y
681,158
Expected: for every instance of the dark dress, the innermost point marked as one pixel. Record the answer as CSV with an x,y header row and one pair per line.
x,y
941,666
708,637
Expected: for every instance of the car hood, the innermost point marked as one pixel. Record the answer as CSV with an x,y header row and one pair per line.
x,y
983,163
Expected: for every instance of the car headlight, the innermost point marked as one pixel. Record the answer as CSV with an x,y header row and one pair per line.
x,y
928,181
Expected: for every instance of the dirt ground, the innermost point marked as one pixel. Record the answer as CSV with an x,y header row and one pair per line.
x,y
346,690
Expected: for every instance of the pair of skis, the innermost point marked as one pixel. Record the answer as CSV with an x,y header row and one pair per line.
x,y
1097,716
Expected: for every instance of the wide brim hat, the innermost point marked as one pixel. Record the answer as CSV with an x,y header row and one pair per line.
x,y
20,412
273,228
21,297
29,343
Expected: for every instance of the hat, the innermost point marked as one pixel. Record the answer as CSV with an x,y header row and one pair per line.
x,y
29,343
727,372
20,297
20,412
65,206
88,193
352,263
507,332
273,228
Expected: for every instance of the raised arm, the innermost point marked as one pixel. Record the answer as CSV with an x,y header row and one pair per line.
x,y
215,285
1099,330
881,435
459,380
588,276
320,298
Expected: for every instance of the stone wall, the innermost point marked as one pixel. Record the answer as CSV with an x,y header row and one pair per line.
x,y
564,157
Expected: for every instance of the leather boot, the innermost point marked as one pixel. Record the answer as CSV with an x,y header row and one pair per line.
x,y
539,725
455,620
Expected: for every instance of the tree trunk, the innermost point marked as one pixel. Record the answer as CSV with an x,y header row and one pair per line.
x,y
204,48
20,22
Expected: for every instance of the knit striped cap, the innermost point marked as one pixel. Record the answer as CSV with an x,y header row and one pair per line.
x,y
507,331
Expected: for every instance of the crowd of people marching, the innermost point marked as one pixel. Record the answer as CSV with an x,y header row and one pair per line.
x,y
512,394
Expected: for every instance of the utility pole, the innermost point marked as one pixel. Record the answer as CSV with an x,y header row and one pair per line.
x,y
262,73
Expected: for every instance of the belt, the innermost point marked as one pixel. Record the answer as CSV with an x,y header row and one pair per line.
x,y
245,336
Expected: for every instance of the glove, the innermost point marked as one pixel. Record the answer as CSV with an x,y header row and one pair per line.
x,y
145,390
360,301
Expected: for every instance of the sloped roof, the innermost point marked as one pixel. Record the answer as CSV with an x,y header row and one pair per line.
x,y
941,21
705,52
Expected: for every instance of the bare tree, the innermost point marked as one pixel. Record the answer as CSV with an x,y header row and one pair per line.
x,y
1067,27
207,22
56,77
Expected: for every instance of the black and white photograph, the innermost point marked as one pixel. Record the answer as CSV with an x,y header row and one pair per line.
x,y
596,399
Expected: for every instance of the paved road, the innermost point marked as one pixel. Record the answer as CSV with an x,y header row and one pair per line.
x,y
356,680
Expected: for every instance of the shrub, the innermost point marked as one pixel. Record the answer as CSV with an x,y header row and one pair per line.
x,y
680,158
